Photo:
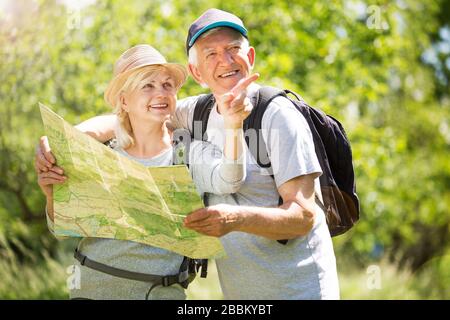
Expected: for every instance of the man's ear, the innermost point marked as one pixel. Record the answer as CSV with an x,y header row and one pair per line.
x,y
193,70
251,54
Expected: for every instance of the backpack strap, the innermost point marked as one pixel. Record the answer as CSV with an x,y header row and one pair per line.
x,y
261,101
202,110
184,277
258,150
263,98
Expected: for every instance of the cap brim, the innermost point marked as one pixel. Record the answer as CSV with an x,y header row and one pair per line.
x,y
229,24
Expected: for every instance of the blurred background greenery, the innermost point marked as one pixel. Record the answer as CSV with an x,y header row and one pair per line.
x,y
381,67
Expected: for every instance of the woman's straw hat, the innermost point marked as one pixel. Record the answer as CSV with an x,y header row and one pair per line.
x,y
137,57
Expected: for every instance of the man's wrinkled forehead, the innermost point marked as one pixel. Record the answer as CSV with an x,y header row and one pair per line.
x,y
222,36
209,48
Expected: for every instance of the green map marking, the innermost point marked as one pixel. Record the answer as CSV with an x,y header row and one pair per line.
x,y
108,195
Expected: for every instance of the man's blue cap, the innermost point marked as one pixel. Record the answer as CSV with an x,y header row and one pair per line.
x,y
210,19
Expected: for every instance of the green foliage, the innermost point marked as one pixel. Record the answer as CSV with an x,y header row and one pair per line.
x,y
366,69
387,282
48,279
45,280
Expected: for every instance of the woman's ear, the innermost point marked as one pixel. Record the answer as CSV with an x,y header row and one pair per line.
x,y
123,102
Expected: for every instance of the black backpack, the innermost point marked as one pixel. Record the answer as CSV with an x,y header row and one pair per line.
x,y
340,202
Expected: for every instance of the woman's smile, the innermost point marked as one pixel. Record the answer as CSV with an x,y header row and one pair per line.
x,y
158,106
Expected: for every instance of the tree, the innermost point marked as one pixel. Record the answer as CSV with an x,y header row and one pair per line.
x,y
363,64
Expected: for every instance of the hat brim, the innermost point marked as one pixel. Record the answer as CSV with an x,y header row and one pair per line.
x,y
178,71
217,24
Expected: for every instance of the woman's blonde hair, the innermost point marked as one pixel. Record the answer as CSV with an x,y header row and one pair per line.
x,y
134,80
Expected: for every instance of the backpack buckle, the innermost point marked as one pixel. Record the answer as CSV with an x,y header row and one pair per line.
x,y
168,281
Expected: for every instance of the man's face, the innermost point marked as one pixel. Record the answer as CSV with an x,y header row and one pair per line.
x,y
222,61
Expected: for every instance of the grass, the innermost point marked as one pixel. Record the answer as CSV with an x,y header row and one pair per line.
x,y
377,282
47,280
41,281
384,281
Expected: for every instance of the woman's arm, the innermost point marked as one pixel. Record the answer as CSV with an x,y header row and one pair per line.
x,y
49,210
50,217
46,180
100,128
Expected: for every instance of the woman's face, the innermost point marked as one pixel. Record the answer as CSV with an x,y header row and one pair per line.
x,y
153,100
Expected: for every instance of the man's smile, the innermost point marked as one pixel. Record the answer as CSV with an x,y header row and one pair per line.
x,y
228,74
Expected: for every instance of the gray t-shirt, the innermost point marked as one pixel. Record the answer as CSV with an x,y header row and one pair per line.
x,y
131,256
212,172
257,267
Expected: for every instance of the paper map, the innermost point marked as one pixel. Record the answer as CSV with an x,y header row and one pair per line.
x,y
108,195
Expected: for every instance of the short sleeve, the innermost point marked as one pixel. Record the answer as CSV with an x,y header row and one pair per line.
x,y
289,142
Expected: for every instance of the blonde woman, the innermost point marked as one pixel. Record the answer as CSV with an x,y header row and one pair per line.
x,y
143,95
